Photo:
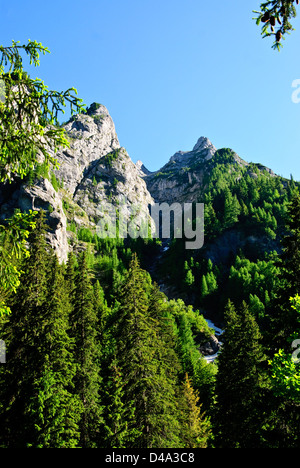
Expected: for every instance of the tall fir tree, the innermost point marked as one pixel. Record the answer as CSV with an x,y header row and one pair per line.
x,y
140,355
57,408
284,319
23,339
195,426
36,382
119,429
240,382
87,353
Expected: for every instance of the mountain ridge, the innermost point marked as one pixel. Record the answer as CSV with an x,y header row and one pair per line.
x,y
95,170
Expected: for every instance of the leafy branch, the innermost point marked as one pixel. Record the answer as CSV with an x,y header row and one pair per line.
x,y
276,16
29,113
29,132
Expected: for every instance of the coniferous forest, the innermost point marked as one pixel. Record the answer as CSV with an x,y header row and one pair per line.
x,y
108,348
98,356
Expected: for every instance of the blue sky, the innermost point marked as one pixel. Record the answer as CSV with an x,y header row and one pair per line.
x,y
171,71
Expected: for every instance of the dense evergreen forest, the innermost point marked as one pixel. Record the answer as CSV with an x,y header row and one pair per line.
x,y
98,356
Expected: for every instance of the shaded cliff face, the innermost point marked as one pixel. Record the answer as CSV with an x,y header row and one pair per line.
x,y
183,176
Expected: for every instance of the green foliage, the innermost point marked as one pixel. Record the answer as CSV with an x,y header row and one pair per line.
x,y
98,357
56,183
284,320
29,113
139,352
285,367
83,324
40,410
120,431
13,238
28,128
196,428
113,156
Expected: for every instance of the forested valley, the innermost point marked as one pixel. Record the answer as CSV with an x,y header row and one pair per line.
x,y
98,356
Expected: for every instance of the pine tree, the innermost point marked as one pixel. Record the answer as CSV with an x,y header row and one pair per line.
x,y
187,350
101,308
83,329
57,410
40,409
240,383
69,276
23,338
283,318
195,426
119,413
204,287
140,353
189,278
231,209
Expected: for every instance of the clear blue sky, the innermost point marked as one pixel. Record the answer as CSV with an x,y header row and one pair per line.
x,y
170,71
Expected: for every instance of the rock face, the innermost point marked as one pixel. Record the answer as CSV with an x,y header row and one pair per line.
x,y
43,196
94,172
92,136
184,177
180,179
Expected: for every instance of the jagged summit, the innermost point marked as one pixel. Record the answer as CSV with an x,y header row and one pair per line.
x,y
142,169
203,150
204,143
97,109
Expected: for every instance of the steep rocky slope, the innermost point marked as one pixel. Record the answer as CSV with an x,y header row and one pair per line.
x,y
182,179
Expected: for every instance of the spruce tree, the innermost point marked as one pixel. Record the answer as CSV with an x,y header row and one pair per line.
x,y
119,413
37,381
69,276
240,382
204,288
87,353
23,337
101,308
57,409
195,426
284,319
142,362
187,351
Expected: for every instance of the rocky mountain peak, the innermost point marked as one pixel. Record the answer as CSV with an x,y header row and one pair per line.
x,y
97,109
203,150
202,144
92,136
